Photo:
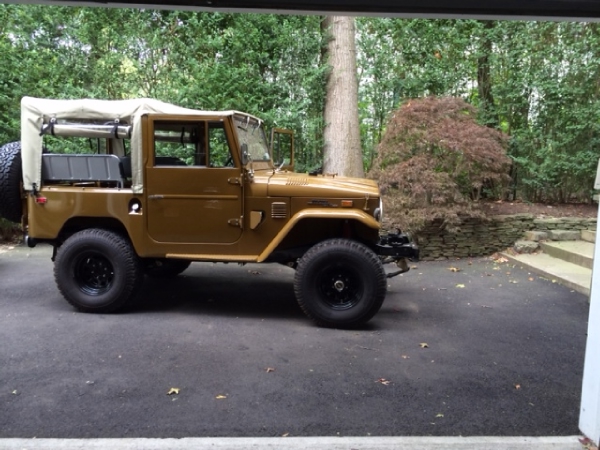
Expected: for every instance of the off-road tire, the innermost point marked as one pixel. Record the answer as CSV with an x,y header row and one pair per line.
x,y
165,268
340,283
10,182
97,271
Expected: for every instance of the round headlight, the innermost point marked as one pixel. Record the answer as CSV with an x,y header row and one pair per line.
x,y
378,213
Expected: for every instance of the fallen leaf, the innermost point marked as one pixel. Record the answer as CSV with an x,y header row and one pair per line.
x,y
453,269
514,282
173,391
460,286
502,260
517,386
269,370
587,444
285,434
424,345
383,381
405,357
15,392
530,278
439,415
220,397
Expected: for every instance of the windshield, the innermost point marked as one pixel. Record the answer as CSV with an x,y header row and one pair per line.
x,y
251,132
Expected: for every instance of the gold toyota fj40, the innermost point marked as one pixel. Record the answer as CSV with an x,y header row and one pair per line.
x,y
132,187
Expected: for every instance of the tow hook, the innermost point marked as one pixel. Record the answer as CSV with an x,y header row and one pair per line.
x,y
402,264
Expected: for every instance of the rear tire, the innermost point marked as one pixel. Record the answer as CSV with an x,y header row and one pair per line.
x,y
340,283
11,207
97,271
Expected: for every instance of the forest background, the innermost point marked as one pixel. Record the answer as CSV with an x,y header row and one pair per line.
x,y
538,82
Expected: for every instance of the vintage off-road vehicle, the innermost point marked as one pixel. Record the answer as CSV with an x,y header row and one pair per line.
x,y
125,188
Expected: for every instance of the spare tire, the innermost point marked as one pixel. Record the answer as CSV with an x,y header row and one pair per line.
x,y
11,207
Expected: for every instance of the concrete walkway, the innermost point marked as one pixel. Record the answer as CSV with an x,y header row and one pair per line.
x,y
565,262
302,443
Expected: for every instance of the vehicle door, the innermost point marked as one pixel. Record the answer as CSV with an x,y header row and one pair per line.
x,y
193,182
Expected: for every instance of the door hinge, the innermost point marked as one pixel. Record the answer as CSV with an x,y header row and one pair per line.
x,y
235,180
237,222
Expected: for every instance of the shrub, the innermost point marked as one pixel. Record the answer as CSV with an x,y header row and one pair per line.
x,y
9,231
435,162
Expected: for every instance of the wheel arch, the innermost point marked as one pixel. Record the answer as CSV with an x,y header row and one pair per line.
x,y
80,223
307,228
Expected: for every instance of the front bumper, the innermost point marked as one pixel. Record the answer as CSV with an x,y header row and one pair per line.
x,y
397,248
397,245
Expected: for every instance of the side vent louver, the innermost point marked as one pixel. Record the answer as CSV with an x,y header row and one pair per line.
x,y
279,210
297,181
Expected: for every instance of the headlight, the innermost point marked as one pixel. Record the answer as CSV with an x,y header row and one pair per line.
x,y
378,214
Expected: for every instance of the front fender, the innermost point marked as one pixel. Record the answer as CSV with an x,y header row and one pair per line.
x,y
318,213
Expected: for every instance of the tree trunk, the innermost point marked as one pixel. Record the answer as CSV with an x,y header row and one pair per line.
x,y
342,153
484,77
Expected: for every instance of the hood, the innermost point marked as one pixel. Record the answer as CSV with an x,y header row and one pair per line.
x,y
302,185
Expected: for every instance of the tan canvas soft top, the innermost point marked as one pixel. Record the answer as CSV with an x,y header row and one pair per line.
x,y
37,113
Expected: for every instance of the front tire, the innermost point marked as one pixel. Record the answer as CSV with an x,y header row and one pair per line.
x,y
340,283
97,271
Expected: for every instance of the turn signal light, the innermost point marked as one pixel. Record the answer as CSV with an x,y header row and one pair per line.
x,y
347,203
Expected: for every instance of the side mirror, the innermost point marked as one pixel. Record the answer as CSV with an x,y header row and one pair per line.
x,y
282,148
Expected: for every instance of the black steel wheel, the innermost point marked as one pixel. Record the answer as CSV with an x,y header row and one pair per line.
x,y
97,271
93,273
340,283
11,207
165,268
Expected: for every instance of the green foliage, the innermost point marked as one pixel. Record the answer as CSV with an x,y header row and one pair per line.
x,y
9,231
536,81
435,160
549,101
267,65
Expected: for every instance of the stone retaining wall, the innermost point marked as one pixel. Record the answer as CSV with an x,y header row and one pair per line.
x,y
476,237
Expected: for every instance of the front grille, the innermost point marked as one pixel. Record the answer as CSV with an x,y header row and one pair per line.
x,y
279,210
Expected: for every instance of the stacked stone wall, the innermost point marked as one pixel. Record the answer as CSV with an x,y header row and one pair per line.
x,y
478,237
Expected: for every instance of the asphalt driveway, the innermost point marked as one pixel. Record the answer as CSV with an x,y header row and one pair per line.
x,y
471,347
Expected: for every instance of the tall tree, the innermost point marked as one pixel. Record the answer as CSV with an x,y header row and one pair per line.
x,y
342,151
484,75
